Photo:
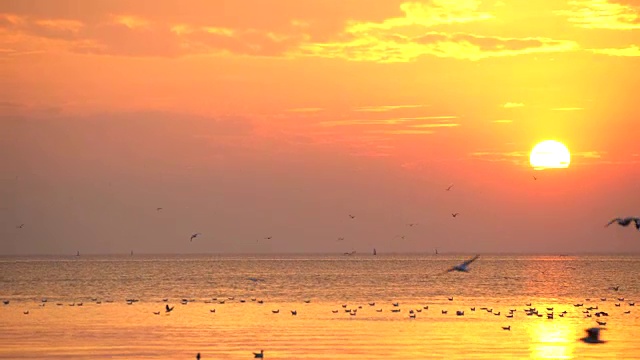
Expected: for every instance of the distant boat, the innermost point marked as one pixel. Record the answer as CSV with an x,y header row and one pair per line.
x,y
374,251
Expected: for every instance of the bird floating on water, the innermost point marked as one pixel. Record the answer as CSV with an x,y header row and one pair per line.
x,y
259,355
625,222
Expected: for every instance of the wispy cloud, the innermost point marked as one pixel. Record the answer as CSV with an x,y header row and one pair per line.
x,y
390,121
402,132
632,50
502,121
511,105
603,14
385,108
568,109
434,125
305,110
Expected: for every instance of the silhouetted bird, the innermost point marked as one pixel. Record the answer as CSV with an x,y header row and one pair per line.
x,y
198,356
464,266
259,355
194,236
168,309
455,214
449,188
625,221
593,336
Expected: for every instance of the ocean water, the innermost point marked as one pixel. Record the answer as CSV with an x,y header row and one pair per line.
x,y
107,327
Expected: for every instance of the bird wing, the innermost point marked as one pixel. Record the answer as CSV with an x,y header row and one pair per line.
x,y
637,221
470,261
612,221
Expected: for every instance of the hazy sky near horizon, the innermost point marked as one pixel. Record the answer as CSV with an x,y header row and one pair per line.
x,y
248,119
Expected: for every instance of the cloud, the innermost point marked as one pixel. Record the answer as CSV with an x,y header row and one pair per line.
x,y
384,108
522,157
129,35
390,48
388,121
305,110
568,109
632,50
502,121
511,105
603,14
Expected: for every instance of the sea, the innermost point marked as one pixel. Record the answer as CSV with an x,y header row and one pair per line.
x,y
360,306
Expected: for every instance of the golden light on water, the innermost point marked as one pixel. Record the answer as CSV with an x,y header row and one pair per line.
x,y
551,340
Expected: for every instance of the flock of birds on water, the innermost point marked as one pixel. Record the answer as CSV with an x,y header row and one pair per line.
x,y
592,337
593,333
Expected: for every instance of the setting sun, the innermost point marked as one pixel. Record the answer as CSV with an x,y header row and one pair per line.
x,y
550,154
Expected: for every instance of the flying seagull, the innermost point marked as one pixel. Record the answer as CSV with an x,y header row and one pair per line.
x,y
593,336
340,239
158,209
194,236
449,188
352,216
455,214
268,237
20,226
463,267
625,221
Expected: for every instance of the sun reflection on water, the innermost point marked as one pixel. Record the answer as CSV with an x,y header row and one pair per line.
x,y
551,340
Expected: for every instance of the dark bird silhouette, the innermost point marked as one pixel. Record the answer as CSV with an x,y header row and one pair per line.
x,y
198,356
455,214
194,236
268,237
168,309
464,266
593,336
259,355
534,177
294,312
449,188
340,239
506,328
20,226
352,216
625,222
158,209
412,224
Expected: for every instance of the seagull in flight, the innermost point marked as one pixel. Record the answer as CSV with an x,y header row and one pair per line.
x,y
352,216
158,209
412,224
20,226
340,239
464,266
625,221
194,236
268,237
455,214
449,188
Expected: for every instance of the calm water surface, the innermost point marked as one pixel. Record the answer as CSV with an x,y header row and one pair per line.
x,y
105,326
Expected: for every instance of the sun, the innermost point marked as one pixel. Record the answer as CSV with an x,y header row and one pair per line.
x,y
550,154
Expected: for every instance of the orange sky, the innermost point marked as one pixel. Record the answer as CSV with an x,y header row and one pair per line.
x,y
244,119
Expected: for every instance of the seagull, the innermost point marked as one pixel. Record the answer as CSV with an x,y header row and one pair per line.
x,y
340,239
20,226
449,188
198,356
259,355
455,214
168,309
268,237
158,209
625,221
194,236
463,267
593,336
412,224
352,216
534,177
